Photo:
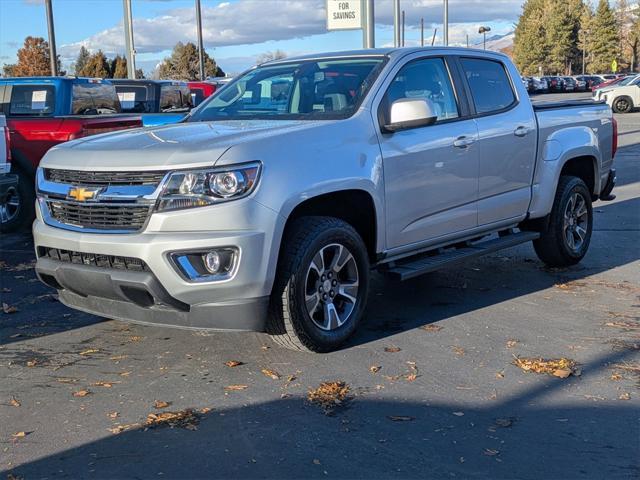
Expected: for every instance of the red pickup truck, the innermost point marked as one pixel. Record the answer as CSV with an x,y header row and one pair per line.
x,y
44,111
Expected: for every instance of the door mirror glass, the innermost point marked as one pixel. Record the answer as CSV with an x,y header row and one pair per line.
x,y
411,113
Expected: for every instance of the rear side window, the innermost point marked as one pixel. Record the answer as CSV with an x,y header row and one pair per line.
x,y
32,100
135,98
489,84
175,97
94,99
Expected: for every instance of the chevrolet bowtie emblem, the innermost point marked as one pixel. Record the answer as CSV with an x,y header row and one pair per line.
x,y
83,194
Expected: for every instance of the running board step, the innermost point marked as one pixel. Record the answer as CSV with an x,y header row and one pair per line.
x,y
409,268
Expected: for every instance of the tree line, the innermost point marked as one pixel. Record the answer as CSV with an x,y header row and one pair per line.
x,y
182,64
557,37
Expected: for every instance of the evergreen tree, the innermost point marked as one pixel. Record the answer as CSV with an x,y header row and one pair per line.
x,y
33,59
603,41
529,48
118,67
183,64
627,19
586,19
97,66
139,73
81,61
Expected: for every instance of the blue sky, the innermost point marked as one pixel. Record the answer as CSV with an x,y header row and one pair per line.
x,y
235,31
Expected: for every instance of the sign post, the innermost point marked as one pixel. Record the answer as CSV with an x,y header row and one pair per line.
x,y
614,66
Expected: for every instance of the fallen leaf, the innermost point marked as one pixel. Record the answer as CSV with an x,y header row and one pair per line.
x,y
625,396
103,384
329,395
187,419
236,387
124,374
204,410
81,393
459,414
89,351
560,367
503,422
400,418
161,404
432,327
615,376
121,428
392,349
499,375
511,343
271,374
20,434
374,368
458,350
14,402
136,338
491,452
410,377
316,461
233,363
118,357
113,414
32,363
6,308
66,380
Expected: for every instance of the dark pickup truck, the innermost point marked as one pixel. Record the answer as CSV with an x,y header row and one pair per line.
x,y
44,111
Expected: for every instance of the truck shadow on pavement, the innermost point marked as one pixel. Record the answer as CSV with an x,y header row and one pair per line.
x,y
528,436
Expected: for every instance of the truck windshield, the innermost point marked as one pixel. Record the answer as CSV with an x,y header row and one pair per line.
x,y
94,99
305,90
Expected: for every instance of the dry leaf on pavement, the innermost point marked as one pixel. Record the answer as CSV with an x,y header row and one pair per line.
x,y
161,404
271,374
89,351
103,384
236,387
113,414
558,367
32,363
329,395
188,419
374,368
20,434
14,402
625,396
392,349
6,308
81,393
400,418
457,350
491,452
233,363
432,327
511,343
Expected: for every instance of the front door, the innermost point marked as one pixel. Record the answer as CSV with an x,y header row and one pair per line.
x,y
430,172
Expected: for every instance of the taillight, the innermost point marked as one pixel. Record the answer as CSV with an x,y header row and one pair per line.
x,y
614,142
7,143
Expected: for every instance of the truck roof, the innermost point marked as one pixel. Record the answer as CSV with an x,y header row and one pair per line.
x,y
52,80
145,81
388,52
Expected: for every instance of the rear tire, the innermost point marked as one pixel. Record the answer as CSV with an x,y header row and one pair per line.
x,y
622,105
321,286
566,239
17,210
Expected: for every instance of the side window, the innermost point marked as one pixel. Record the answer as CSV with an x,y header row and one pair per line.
x,y
489,84
32,100
428,79
94,99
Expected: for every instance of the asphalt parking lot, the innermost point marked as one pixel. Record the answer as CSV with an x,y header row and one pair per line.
x,y
445,399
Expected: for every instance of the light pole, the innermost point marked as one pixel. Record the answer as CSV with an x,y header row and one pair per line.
x,y
483,30
128,40
52,39
200,42
369,25
422,32
445,23
402,30
396,23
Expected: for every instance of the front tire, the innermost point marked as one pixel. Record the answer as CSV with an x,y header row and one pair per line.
x,y
566,239
321,285
17,209
622,105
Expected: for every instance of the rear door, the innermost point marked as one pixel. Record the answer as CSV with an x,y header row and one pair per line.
x,y
430,172
507,139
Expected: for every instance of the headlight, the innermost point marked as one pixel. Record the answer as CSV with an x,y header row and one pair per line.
x,y
199,188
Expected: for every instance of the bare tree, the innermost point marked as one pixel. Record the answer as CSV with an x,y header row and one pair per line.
x,y
271,55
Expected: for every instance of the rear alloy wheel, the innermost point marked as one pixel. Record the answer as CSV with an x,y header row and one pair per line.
x,y
566,240
622,105
321,285
9,206
17,208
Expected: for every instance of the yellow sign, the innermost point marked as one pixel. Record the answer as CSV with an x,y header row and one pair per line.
x,y
82,194
614,66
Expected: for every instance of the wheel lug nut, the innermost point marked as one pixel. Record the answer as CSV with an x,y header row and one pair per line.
x,y
330,275
324,296
334,283
323,278
332,293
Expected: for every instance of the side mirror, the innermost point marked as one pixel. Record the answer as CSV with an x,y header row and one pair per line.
x,y
411,113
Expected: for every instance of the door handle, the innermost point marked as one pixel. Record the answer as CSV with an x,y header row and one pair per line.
x,y
463,142
521,131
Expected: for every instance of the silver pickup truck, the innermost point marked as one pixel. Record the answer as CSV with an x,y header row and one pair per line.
x,y
268,207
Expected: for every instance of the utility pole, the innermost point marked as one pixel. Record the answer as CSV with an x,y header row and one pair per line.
x,y
422,32
369,24
467,40
52,39
433,39
402,31
396,23
200,43
130,52
445,30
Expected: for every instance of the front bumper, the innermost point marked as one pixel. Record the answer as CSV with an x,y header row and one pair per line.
x,y
160,295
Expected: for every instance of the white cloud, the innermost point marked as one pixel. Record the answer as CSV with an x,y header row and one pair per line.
x,y
257,21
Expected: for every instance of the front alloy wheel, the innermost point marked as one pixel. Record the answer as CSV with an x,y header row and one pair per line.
x,y
576,222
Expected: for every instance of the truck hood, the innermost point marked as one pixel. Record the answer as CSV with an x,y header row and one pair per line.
x,y
183,145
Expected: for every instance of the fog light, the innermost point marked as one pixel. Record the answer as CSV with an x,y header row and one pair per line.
x,y
212,262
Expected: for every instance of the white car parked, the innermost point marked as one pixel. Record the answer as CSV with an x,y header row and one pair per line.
x,y
622,97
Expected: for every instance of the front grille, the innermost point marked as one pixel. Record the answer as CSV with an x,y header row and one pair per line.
x,y
99,216
76,177
96,260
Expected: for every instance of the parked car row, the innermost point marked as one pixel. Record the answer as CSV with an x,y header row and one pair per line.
x,y
577,83
41,112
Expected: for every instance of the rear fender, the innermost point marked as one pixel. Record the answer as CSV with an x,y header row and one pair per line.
x,y
556,151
